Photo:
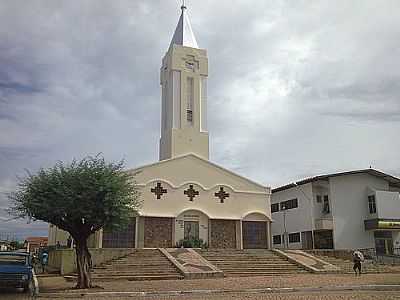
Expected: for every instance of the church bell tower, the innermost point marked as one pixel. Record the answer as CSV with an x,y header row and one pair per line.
x,y
183,79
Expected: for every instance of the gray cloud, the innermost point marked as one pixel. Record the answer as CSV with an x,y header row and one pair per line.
x,y
295,88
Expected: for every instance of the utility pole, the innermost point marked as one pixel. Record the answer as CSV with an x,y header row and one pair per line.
x,y
285,233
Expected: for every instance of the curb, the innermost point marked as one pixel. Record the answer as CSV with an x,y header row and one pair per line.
x,y
223,291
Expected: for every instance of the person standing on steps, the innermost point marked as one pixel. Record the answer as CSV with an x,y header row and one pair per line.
x,y
358,257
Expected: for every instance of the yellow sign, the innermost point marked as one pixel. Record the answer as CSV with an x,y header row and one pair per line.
x,y
389,224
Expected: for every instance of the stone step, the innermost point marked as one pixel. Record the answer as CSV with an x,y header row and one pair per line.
x,y
250,262
140,277
139,262
245,260
252,265
259,270
272,260
240,255
121,268
146,264
252,274
157,272
150,258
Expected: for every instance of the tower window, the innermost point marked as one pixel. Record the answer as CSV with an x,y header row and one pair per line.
x,y
189,115
203,104
190,100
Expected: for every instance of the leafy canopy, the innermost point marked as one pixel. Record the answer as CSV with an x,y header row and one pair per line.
x,y
80,197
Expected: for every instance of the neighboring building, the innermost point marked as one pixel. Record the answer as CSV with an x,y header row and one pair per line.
x,y
184,194
32,244
5,245
357,209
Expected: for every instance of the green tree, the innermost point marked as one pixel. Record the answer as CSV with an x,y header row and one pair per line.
x,y
80,197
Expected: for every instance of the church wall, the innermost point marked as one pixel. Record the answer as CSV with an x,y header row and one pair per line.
x,y
192,168
174,202
158,232
223,234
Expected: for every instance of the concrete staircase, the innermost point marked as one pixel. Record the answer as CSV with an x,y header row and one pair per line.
x,y
142,264
368,266
241,263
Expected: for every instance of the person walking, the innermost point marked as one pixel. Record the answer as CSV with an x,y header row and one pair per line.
x,y
44,261
358,257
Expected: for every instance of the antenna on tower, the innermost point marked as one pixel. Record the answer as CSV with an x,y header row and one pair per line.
x,y
183,5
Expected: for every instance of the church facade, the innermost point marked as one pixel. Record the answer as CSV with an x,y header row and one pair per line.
x,y
184,195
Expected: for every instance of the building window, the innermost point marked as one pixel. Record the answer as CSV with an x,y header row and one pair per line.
x,y
190,100
294,237
319,199
289,204
274,207
372,204
326,209
276,239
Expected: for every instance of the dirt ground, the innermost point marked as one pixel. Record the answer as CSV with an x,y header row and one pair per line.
x,y
354,295
232,287
54,284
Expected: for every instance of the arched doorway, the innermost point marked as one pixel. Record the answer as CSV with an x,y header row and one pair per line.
x,y
255,231
191,224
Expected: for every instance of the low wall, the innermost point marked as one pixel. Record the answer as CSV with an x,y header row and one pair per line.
x,y
369,253
343,254
64,260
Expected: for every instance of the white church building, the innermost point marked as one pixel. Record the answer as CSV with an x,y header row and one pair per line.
x,y
184,195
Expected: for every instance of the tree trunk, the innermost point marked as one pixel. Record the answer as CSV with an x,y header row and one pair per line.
x,y
83,264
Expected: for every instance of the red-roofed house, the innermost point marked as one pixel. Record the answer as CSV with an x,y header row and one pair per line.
x,y
34,243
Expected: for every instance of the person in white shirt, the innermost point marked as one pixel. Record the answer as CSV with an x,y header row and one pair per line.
x,y
358,257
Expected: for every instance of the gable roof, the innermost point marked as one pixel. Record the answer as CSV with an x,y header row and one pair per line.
x,y
203,160
393,181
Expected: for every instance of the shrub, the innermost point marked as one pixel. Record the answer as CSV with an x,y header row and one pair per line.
x,y
191,243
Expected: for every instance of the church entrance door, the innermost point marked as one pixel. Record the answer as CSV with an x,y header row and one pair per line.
x,y
191,230
254,235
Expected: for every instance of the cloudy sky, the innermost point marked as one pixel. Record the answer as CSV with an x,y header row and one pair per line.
x,y
296,88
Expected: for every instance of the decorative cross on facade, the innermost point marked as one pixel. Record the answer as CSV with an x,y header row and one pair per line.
x,y
222,194
158,190
191,192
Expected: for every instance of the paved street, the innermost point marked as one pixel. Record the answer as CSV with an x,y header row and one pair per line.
x,y
354,295
232,286
229,283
